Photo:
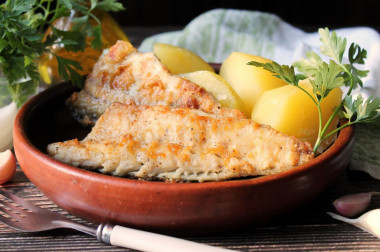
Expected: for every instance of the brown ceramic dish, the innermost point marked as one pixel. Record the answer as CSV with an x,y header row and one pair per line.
x,y
187,208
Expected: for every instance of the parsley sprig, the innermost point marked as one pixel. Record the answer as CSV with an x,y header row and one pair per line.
x,y
22,27
325,76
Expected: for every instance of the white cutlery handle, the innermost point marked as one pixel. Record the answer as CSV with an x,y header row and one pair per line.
x,y
146,241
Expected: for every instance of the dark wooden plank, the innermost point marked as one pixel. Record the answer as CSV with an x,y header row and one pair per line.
x,y
308,228
296,238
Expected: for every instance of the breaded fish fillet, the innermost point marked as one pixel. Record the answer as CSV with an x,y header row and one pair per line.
x,y
166,143
125,75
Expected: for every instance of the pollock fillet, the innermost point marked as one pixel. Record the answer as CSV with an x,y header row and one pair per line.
x,y
181,144
125,75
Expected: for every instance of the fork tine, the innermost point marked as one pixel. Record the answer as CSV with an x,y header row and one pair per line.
x,y
22,202
13,212
22,214
15,207
10,222
17,224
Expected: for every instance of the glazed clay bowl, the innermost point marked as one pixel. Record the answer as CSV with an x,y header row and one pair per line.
x,y
181,208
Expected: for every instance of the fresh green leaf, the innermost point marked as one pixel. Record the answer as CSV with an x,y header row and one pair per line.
x,y
13,68
96,33
19,5
60,11
349,111
73,40
28,60
3,44
356,54
326,79
361,110
67,3
110,5
66,69
22,41
309,66
79,22
283,72
357,75
332,45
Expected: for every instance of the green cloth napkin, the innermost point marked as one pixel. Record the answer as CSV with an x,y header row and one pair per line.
x,y
366,156
215,34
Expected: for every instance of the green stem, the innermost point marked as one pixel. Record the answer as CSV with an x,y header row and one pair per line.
x,y
338,129
16,94
46,11
321,134
55,13
319,119
335,112
94,17
308,94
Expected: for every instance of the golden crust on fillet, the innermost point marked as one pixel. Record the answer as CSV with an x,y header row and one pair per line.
x,y
125,75
181,144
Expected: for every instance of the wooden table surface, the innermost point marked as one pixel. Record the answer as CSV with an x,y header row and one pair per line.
x,y
308,228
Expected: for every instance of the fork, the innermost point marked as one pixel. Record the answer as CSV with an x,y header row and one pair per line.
x,y
21,214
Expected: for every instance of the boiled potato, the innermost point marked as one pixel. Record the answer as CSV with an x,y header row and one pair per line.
x,y
217,86
179,60
248,81
289,110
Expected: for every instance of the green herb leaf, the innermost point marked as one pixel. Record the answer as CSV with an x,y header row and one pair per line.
x,y
309,66
360,110
66,68
22,42
326,79
19,5
283,72
96,33
73,40
356,54
332,45
110,5
67,3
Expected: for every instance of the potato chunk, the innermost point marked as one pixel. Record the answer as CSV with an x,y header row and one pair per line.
x,y
248,81
217,86
289,110
179,60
